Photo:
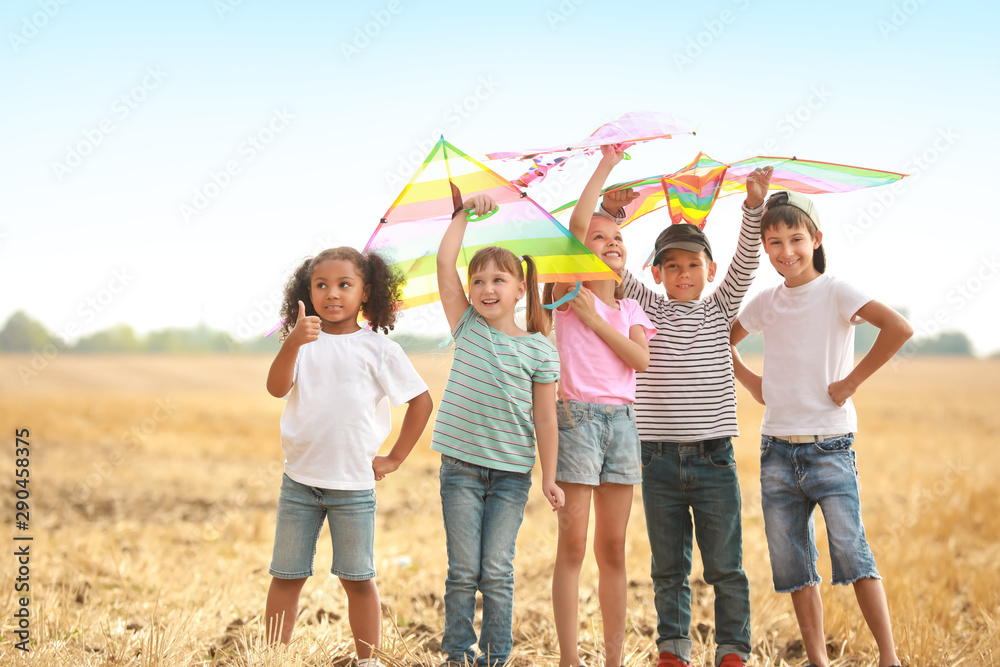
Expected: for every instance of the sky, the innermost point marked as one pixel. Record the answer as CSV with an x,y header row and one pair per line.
x,y
165,164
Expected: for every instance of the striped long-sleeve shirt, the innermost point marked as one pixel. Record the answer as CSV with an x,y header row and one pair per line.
x,y
485,415
688,394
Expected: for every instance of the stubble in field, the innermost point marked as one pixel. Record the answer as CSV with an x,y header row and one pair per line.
x,y
154,483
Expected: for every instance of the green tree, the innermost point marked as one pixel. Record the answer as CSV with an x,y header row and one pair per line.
x,y
117,339
23,334
951,343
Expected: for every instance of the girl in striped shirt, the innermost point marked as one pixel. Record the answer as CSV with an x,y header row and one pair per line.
x,y
500,398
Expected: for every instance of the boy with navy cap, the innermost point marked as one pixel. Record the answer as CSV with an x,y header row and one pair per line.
x,y
806,455
686,413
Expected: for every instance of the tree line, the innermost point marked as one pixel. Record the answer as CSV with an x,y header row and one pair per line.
x,y
22,333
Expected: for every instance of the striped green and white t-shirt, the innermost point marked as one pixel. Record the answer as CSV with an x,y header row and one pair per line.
x,y
485,414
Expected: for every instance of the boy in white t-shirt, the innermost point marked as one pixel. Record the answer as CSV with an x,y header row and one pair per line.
x,y
806,457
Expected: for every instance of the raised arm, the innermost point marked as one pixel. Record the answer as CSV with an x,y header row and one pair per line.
x,y
746,377
543,410
743,268
637,290
418,411
282,372
579,221
893,333
453,296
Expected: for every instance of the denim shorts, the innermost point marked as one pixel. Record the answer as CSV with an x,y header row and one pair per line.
x,y
598,444
301,512
794,479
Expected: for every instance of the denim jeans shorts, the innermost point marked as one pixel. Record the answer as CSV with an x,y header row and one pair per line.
x,y
794,479
301,512
598,444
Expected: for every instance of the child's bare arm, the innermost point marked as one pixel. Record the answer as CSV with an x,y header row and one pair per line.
x,y
449,282
750,380
893,333
282,371
543,409
743,267
632,349
418,411
579,221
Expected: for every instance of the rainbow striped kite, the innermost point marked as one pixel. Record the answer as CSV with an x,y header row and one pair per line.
x,y
690,194
409,233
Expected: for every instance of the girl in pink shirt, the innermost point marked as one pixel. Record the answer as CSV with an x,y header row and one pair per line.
x,y
602,342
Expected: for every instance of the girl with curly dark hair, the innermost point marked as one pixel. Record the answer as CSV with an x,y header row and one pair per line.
x,y
383,284
339,379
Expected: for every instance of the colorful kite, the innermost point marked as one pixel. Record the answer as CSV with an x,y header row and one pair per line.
x,y
690,194
409,233
630,129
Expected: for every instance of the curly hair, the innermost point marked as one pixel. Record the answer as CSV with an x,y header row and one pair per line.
x,y
384,283
508,262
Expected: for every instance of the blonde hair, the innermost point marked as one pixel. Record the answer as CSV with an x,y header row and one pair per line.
x,y
508,262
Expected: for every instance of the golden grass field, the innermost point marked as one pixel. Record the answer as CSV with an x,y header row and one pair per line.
x,y
153,488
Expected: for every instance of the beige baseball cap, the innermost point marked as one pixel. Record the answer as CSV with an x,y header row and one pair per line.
x,y
804,204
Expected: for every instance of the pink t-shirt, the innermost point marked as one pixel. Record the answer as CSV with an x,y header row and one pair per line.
x,y
590,371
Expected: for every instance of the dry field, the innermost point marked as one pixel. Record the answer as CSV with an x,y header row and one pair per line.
x,y
152,501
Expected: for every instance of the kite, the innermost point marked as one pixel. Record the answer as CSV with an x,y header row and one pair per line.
x,y
690,194
630,129
409,233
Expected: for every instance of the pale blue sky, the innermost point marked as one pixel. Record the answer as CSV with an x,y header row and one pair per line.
x,y
117,114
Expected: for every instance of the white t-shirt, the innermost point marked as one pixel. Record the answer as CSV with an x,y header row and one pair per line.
x,y
808,343
337,414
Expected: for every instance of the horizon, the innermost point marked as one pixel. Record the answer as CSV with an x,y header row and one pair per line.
x,y
941,344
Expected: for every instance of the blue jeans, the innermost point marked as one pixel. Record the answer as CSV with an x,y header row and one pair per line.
x,y
794,479
680,479
483,509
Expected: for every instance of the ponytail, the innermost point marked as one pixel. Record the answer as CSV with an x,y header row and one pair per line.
x,y
548,297
537,320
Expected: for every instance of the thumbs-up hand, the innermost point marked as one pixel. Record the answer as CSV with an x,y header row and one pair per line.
x,y
306,328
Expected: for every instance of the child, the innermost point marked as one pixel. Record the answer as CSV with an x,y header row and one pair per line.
x,y
809,423
338,379
500,396
687,417
602,342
